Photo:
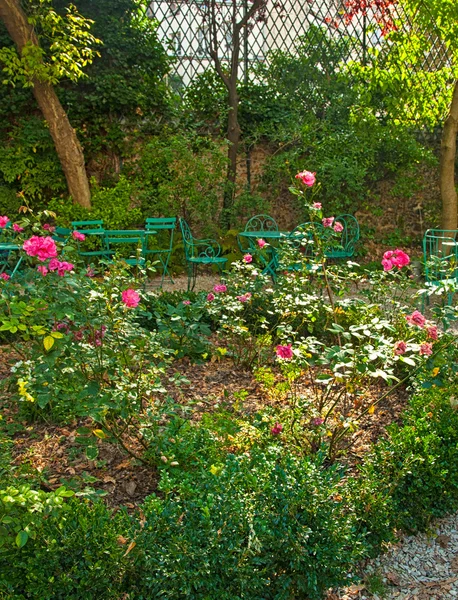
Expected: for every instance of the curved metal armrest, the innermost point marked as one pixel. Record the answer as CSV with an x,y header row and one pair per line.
x,y
209,244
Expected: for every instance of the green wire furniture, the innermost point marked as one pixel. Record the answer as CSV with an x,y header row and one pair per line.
x,y
199,252
258,223
345,247
165,228
10,257
94,246
440,256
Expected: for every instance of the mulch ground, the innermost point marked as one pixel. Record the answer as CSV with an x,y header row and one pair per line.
x,y
58,457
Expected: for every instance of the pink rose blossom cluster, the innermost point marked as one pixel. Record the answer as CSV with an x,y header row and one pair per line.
x,y
426,349
307,177
245,297
262,243
338,227
210,297
4,222
416,318
248,258
328,221
130,298
80,237
5,276
95,337
60,266
400,347
186,302
220,288
276,429
317,205
48,227
285,352
41,247
395,258
17,228
317,421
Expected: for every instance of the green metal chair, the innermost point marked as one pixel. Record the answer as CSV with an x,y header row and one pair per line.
x,y
61,235
345,247
199,252
257,223
10,256
91,229
440,256
304,241
126,241
165,229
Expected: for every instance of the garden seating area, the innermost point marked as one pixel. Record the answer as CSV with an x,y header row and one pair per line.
x,y
228,312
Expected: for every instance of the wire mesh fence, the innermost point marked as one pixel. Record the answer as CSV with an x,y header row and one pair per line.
x,y
184,29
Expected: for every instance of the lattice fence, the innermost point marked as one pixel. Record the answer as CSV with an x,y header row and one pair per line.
x,y
184,31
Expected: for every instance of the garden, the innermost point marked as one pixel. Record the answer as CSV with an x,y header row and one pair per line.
x,y
222,375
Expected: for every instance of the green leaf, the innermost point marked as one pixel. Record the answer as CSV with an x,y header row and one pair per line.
x,y
48,342
21,539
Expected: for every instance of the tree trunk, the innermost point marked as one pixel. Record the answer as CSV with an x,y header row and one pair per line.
x,y
447,166
67,145
233,137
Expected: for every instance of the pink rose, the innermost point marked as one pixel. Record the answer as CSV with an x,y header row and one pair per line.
x,y
432,332
317,205
5,276
327,222
130,298
4,222
400,347
416,318
285,352
220,288
276,429
43,270
395,258
210,297
426,349
186,302
338,227
317,421
17,228
64,266
262,243
49,228
307,177
244,297
248,258
90,272
41,247
78,236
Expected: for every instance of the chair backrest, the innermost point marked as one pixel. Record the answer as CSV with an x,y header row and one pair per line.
x,y
303,237
440,253
188,239
261,223
161,223
61,234
124,236
350,233
88,226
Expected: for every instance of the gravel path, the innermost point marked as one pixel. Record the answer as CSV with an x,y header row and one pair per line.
x,y
422,567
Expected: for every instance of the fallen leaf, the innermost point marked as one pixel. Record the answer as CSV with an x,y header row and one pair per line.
x,y
393,578
443,540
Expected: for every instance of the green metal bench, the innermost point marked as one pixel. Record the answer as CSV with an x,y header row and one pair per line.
x,y
440,256
91,229
162,243
199,252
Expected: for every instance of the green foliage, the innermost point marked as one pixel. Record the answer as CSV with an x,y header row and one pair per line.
x,y
68,46
75,555
181,176
259,526
111,204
